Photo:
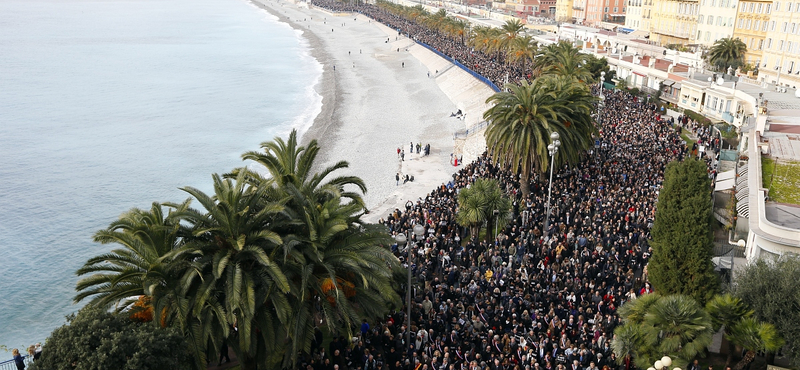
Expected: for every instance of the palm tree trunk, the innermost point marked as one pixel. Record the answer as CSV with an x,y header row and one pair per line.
x,y
729,358
525,183
748,358
490,227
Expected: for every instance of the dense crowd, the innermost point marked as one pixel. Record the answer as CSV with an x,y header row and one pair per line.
x,y
531,298
493,66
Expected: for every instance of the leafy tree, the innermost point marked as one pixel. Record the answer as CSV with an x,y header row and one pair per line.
x,y
596,65
754,336
477,203
682,240
674,325
726,311
772,289
727,52
97,339
522,120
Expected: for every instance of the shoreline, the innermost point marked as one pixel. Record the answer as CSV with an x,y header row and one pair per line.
x,y
388,92
325,87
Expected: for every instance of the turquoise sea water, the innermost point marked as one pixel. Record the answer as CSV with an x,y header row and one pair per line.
x,y
107,105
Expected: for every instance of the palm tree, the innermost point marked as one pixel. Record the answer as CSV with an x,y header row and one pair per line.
x,y
655,326
510,31
754,336
562,59
726,312
291,164
144,266
477,203
338,268
726,52
236,278
625,344
678,326
522,50
522,119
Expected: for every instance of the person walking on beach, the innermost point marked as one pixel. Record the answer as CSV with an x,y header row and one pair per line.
x,y
398,152
403,155
397,178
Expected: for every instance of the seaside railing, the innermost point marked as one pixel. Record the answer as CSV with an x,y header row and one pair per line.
x,y
11,365
465,68
470,131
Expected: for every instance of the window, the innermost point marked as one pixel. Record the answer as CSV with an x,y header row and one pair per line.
x,y
780,46
783,28
769,6
758,8
789,46
742,7
748,24
616,10
789,7
769,43
777,6
700,19
741,23
708,35
764,26
719,21
772,23
750,8
756,24
797,7
710,19
760,44
605,10
794,25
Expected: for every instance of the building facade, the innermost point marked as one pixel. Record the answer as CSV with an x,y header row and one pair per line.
x,y
715,20
564,10
633,14
610,11
780,61
751,26
674,22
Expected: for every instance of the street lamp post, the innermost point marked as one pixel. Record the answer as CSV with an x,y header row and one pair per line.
x,y
402,239
552,149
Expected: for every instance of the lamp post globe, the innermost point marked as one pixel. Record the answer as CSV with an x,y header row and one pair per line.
x,y
554,135
666,361
419,230
658,365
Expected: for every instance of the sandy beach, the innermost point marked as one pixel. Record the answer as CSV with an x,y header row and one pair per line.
x,y
381,92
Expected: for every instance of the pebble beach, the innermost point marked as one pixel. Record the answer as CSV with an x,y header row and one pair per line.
x,y
381,91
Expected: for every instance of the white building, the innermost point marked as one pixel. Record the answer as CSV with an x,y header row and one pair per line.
x,y
715,20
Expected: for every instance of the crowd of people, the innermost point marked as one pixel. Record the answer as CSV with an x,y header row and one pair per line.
x,y
532,297
492,66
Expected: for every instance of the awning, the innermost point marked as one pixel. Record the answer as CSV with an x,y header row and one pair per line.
x,y
640,33
727,175
625,30
668,82
638,74
724,185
